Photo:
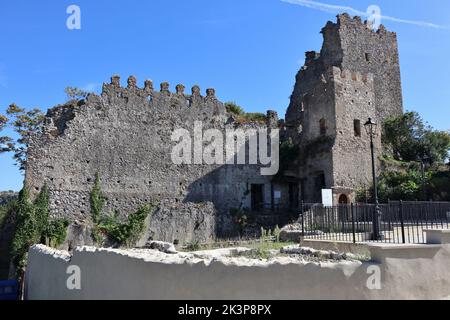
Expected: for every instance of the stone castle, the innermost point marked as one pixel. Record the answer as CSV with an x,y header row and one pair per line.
x,y
124,135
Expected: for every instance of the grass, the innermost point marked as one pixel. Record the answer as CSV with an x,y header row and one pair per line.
x,y
268,245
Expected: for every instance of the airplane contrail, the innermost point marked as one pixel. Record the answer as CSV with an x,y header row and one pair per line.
x,y
330,8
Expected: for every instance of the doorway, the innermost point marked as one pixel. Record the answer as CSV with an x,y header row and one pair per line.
x,y
343,199
257,196
293,195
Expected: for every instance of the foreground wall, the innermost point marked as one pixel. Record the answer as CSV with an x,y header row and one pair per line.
x,y
407,272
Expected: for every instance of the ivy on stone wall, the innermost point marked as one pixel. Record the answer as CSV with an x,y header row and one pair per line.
x,y
33,225
97,200
110,227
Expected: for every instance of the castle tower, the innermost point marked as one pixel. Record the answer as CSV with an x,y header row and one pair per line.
x,y
356,76
352,45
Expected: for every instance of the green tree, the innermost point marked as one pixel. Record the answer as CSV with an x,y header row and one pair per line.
x,y
33,225
25,124
74,93
410,139
436,146
438,186
26,230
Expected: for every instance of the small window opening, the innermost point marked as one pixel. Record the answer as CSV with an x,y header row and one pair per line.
x,y
323,127
357,127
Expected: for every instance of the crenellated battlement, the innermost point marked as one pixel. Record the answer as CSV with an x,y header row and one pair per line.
x,y
114,89
344,75
344,20
352,53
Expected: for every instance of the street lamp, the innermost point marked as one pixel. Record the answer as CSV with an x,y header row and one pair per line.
x,y
371,129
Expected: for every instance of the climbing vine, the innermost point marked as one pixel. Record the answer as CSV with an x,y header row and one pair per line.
x,y
97,204
34,225
110,226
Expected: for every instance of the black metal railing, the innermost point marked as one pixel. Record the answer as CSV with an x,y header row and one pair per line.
x,y
401,222
271,215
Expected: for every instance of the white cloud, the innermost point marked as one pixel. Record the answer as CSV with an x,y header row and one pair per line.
x,y
330,8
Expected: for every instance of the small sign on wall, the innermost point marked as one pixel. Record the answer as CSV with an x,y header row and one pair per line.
x,y
327,197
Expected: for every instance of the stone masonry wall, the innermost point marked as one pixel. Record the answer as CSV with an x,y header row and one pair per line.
x,y
352,45
354,96
355,76
125,135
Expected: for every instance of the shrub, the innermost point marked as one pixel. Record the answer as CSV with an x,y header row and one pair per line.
x,y
110,226
276,233
244,117
33,225
55,233
97,200
129,232
253,117
193,245
233,108
240,219
6,210
26,230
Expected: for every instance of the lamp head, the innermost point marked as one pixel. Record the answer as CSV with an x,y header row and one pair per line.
x,y
371,127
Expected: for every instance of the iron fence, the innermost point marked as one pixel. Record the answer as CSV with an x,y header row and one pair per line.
x,y
399,222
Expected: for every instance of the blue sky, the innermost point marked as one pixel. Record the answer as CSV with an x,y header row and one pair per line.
x,y
249,50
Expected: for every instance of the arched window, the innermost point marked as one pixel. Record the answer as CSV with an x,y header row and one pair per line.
x,y
343,199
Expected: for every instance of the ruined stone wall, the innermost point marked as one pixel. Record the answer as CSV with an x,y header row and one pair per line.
x,y
316,125
352,45
125,135
325,131
355,76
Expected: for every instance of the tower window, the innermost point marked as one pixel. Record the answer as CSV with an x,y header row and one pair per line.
x,y
320,181
367,57
323,127
357,127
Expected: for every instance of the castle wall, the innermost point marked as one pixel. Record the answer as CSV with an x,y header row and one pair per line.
x,y
125,136
311,124
351,151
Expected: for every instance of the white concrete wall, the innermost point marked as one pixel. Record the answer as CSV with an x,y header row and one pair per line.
x,y
407,272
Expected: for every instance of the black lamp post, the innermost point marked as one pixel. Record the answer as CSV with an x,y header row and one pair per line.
x,y
371,129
